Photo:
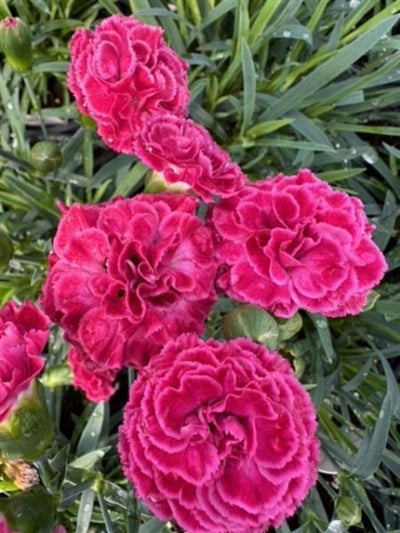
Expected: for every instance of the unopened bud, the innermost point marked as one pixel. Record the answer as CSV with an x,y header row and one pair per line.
x,y
348,510
16,43
28,430
254,323
46,156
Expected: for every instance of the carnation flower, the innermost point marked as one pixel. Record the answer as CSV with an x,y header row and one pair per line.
x,y
124,278
24,331
219,436
293,242
185,152
122,73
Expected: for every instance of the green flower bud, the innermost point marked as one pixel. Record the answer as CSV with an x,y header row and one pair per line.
x,y
289,328
46,156
16,43
6,250
156,183
348,511
254,323
30,512
28,431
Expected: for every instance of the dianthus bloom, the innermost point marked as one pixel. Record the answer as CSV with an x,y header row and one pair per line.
x,y
125,277
219,436
293,242
185,152
24,331
122,73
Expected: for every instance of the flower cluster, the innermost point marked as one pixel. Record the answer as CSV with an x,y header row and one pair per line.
x,y
24,331
303,245
216,436
219,436
147,275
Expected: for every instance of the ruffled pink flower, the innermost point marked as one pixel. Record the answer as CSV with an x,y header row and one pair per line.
x,y
219,436
185,152
122,73
24,331
124,278
293,242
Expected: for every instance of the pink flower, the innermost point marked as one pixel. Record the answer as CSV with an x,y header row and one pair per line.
x,y
219,436
124,278
185,152
24,331
4,527
293,242
122,73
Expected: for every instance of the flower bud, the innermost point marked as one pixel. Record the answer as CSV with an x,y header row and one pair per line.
x,y
16,43
156,183
348,511
28,431
6,250
29,512
254,323
46,156
288,328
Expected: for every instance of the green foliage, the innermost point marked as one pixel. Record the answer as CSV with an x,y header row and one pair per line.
x,y
280,84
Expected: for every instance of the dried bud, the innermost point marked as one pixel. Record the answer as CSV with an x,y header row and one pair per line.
x,y
16,43
46,156
23,475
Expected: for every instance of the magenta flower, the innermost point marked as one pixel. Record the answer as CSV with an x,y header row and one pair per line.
x,y
24,331
4,527
293,242
122,73
124,278
185,152
219,436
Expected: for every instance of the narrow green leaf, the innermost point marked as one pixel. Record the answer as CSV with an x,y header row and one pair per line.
x,y
262,20
141,5
371,450
263,128
152,526
85,511
217,12
88,460
322,327
108,170
370,22
109,6
249,85
50,67
92,431
106,514
130,181
330,70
